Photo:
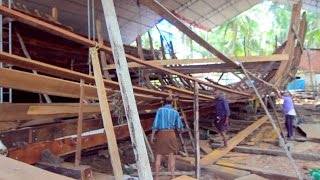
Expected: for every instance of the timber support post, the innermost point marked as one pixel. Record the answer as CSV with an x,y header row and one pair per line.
x,y
79,128
106,116
196,129
129,102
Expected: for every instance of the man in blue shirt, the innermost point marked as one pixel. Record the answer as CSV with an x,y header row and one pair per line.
x,y
222,116
166,121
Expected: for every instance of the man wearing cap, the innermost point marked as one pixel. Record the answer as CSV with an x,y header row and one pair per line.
x,y
166,121
222,117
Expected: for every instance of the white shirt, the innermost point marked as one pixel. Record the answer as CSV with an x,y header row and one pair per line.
x,y
292,112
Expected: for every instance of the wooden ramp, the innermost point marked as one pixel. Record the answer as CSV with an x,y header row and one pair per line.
x,y
215,155
16,170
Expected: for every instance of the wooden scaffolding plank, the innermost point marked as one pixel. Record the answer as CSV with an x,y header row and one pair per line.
x,y
215,155
36,23
106,116
16,170
129,102
271,58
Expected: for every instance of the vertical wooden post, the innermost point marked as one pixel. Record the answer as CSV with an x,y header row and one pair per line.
x,y
54,13
151,46
103,57
125,83
106,116
79,130
196,128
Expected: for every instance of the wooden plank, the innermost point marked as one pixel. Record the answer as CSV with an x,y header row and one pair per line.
x,y
32,153
163,12
106,116
28,111
15,170
196,130
129,102
62,108
36,23
52,86
223,172
217,154
22,137
271,58
270,174
79,128
273,152
65,73
43,84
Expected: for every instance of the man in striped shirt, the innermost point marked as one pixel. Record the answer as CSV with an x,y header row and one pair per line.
x,y
166,121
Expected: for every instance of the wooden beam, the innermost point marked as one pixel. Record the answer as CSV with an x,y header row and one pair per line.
x,y
67,74
106,116
196,130
103,57
184,91
79,128
52,86
36,23
15,170
271,58
32,153
43,84
129,102
163,12
28,111
215,155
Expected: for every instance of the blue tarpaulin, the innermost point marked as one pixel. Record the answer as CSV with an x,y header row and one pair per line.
x,y
296,84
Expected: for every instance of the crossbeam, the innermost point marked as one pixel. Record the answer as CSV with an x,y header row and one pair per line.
x,y
271,58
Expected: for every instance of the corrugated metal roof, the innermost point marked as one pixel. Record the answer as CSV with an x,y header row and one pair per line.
x,y
134,19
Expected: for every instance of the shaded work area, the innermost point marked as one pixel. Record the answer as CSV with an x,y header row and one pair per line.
x,y
82,106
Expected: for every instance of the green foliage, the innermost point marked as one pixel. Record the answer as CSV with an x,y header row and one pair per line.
x,y
254,32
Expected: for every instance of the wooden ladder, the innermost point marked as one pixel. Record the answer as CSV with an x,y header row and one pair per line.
x,y
186,130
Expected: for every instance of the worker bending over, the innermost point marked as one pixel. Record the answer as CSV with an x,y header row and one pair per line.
x,y
166,121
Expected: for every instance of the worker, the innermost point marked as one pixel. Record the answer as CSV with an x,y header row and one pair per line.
x,y
289,111
166,121
222,117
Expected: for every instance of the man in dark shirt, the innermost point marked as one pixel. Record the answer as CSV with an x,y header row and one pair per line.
x,y
166,121
222,116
